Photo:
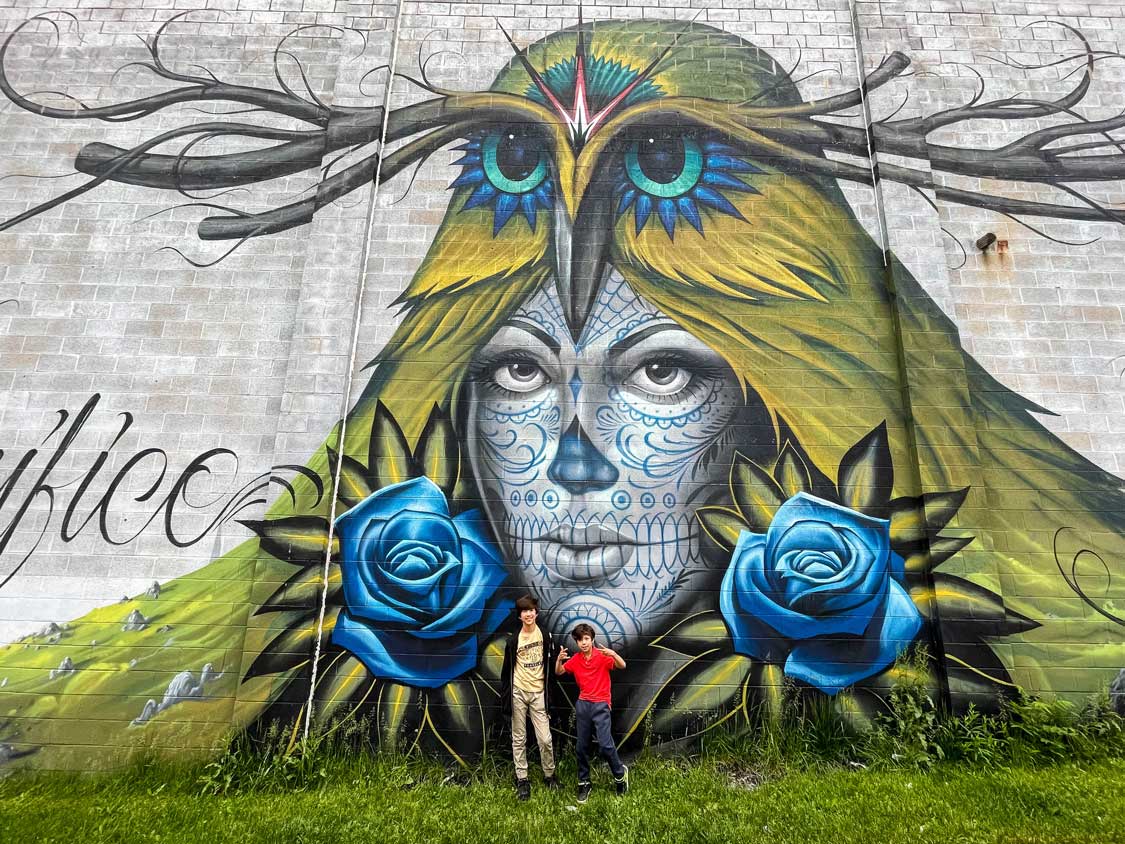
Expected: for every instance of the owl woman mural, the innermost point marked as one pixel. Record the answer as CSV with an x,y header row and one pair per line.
x,y
654,371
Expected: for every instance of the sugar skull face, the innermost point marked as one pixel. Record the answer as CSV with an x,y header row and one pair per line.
x,y
592,458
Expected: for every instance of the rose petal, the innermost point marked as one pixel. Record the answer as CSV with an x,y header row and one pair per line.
x,y
750,635
368,603
832,665
408,548
803,507
481,575
450,581
866,580
403,658
816,565
472,527
420,494
810,534
414,567
414,586
415,526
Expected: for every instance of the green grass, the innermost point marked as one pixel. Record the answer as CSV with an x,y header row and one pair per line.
x,y
375,800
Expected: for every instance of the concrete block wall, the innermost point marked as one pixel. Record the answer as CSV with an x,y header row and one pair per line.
x,y
172,414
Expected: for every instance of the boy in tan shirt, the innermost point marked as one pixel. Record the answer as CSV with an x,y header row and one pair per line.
x,y
527,659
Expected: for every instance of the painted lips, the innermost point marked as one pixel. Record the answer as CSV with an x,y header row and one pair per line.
x,y
592,552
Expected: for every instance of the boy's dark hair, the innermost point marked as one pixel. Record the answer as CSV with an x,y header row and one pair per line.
x,y
527,602
582,630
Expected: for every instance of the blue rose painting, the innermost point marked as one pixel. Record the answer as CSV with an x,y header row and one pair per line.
x,y
820,591
419,585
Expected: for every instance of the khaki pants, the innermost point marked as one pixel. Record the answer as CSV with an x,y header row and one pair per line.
x,y
526,704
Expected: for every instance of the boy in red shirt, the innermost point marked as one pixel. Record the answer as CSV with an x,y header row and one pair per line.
x,y
591,667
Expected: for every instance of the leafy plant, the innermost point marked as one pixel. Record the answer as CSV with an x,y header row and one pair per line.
x,y
974,737
905,732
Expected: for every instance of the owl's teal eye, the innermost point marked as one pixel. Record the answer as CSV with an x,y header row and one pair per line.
x,y
677,178
513,164
664,167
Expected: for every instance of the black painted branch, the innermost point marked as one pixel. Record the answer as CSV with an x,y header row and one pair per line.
x,y
339,184
129,156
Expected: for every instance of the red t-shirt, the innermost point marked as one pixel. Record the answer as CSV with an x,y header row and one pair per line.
x,y
592,675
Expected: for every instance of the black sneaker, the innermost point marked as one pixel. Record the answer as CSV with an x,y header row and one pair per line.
x,y
551,782
584,789
623,783
523,789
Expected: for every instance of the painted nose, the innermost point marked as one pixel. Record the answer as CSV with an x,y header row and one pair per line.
x,y
578,466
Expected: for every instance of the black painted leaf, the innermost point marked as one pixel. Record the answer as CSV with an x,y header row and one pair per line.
x,y
722,525
492,659
438,455
966,611
975,674
343,685
867,475
696,635
399,714
756,494
389,461
456,718
820,484
937,508
765,691
287,650
354,486
303,590
940,549
791,472
705,691
295,539
902,672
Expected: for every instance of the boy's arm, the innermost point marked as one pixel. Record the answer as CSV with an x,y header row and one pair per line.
x,y
618,662
559,661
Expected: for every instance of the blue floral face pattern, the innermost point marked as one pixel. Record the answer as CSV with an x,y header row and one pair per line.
x,y
591,457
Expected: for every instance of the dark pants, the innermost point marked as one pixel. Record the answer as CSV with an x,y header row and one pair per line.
x,y
592,719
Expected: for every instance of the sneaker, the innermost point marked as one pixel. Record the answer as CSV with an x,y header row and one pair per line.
x,y
623,783
551,782
523,789
584,789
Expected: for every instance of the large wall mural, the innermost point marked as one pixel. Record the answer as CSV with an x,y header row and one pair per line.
x,y
652,370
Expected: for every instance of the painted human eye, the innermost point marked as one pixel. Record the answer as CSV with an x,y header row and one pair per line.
x,y
519,377
671,177
659,379
506,171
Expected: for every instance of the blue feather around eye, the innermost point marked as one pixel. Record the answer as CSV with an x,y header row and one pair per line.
x,y
483,195
686,206
506,205
714,199
644,208
716,179
666,210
